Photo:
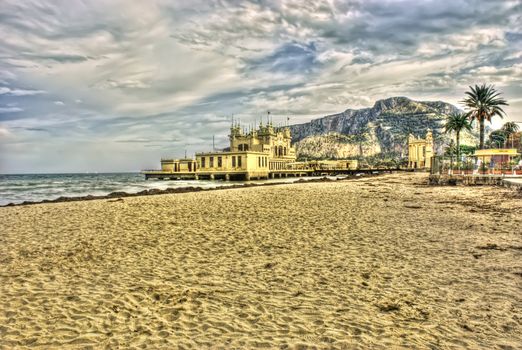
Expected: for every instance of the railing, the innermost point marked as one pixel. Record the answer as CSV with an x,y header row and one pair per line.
x,y
472,165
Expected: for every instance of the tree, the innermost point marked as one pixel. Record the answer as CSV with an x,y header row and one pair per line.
x,y
498,138
510,128
457,122
465,149
484,102
450,150
360,138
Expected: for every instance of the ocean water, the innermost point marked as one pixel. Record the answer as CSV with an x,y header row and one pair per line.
x,y
37,187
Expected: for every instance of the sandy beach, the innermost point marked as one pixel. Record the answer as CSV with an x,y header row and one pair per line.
x,y
373,263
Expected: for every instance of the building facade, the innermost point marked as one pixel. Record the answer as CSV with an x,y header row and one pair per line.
x,y
251,154
420,151
262,153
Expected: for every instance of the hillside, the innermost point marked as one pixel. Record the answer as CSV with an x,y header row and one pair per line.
x,y
380,131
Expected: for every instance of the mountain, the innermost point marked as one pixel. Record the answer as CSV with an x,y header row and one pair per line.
x,y
380,131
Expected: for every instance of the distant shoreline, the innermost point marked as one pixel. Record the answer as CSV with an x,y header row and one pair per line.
x,y
151,192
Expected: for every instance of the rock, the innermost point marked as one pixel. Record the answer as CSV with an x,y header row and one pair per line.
x,y
117,194
378,131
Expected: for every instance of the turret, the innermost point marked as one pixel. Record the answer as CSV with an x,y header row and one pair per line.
x,y
286,133
235,131
429,136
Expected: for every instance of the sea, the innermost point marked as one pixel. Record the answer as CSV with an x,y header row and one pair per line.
x,y
37,187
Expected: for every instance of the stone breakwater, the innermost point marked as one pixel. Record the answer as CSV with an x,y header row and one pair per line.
x,y
155,191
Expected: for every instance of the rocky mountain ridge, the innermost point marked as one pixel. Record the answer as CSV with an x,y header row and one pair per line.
x,y
380,131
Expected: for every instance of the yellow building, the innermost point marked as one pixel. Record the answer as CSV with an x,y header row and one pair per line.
x,y
251,154
496,160
258,154
420,151
341,164
178,165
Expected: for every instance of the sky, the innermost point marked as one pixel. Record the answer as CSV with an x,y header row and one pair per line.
x,y
110,85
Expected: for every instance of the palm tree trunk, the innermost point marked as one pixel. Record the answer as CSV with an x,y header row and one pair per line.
x,y
481,126
458,149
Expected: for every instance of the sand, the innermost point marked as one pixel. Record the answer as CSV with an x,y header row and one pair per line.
x,y
378,263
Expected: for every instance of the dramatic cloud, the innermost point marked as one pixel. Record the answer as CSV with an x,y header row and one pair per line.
x,y
112,85
18,92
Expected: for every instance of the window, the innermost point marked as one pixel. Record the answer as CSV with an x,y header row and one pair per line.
x,y
259,162
211,162
233,161
239,161
220,162
202,162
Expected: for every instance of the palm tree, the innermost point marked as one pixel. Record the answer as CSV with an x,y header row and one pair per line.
x,y
457,122
484,103
510,128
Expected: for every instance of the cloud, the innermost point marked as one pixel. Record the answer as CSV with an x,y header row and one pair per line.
x,y
4,132
10,109
125,84
4,90
135,141
290,58
149,79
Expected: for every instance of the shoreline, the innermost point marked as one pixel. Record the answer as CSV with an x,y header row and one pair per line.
x,y
380,262
152,192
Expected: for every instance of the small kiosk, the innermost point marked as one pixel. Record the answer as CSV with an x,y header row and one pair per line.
x,y
497,161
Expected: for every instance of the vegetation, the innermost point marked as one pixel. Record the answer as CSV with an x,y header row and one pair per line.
x,y
451,149
501,137
467,150
497,139
510,129
457,122
484,102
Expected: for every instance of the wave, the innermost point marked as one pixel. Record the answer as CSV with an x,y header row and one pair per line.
x,y
17,189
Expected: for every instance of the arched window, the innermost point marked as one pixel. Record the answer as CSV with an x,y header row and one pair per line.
x,y
240,147
245,147
284,151
280,151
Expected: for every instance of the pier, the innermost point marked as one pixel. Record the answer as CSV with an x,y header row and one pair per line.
x,y
245,176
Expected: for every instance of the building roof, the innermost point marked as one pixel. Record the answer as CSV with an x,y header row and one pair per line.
x,y
496,152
